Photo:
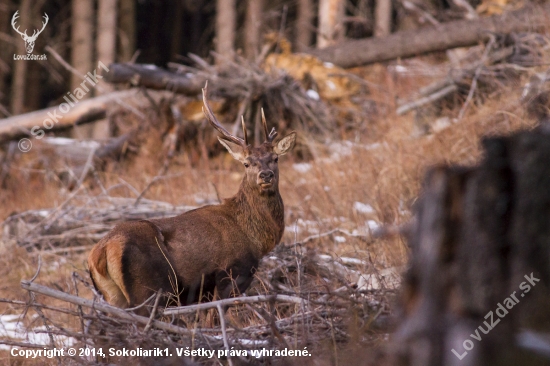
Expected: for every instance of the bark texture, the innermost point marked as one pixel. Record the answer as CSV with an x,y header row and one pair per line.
x,y
480,260
226,19
82,49
330,18
382,18
304,24
252,28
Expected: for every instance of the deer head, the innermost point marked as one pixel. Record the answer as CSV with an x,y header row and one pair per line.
x,y
260,163
29,41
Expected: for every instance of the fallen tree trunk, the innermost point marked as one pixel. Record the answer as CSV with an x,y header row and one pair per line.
x,y
480,260
84,111
153,77
439,38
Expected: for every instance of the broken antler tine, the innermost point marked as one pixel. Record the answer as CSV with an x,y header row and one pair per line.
x,y
272,134
244,131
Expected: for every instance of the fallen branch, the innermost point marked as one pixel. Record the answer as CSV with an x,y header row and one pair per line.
x,y
29,286
153,77
85,111
234,301
449,35
378,233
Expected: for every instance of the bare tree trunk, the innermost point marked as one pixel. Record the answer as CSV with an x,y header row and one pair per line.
x,y
252,28
19,82
106,53
34,89
82,49
127,26
304,24
226,19
330,19
382,18
177,30
106,32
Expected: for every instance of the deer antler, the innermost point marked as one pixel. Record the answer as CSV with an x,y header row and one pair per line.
x,y
269,137
13,19
217,125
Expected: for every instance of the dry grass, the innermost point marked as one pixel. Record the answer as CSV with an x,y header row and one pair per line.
x,y
381,164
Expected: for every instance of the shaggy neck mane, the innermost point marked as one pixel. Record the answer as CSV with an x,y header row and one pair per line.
x,y
262,216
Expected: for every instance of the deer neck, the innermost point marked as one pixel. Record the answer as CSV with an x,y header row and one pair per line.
x,y
261,216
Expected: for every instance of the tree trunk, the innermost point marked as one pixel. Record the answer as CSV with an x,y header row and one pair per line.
x,y
461,33
127,26
304,24
252,28
480,238
106,34
382,18
82,49
19,81
330,22
106,53
226,18
177,30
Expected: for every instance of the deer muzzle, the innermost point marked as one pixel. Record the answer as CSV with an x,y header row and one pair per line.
x,y
265,178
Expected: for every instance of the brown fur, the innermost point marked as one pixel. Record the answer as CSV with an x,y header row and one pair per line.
x,y
219,246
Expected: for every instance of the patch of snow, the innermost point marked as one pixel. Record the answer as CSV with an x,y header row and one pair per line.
x,y
363,207
400,68
64,141
372,225
302,167
328,65
374,146
331,85
312,94
55,265
441,123
326,188
293,229
11,326
339,239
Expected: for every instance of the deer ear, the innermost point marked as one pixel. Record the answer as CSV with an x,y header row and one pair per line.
x,y
285,144
234,149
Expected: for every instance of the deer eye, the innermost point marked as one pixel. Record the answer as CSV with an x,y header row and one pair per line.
x,y
246,165
276,159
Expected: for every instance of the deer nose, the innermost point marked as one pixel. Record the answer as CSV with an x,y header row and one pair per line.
x,y
266,175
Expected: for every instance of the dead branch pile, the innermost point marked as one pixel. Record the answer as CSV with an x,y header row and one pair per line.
x,y
482,71
300,301
80,221
246,87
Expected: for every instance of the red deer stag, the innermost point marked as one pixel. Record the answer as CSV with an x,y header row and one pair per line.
x,y
217,247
